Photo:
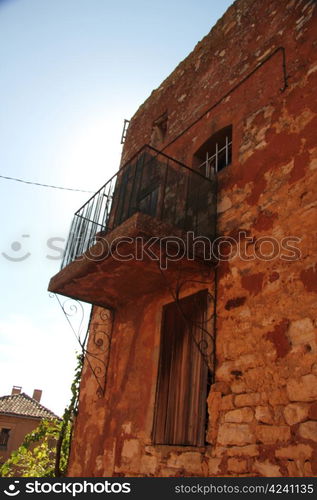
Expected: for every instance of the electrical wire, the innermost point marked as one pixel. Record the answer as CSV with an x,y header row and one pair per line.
x,y
44,185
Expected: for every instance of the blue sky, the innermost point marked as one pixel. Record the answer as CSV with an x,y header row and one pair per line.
x,y
71,71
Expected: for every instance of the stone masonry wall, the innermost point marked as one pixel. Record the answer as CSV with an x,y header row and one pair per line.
x,y
263,404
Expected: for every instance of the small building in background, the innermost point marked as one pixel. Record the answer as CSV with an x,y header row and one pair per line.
x,y
20,414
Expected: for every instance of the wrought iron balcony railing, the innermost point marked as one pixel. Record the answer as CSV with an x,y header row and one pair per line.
x,y
155,184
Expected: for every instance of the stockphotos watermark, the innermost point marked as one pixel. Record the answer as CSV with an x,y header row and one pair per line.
x,y
169,248
158,487
58,487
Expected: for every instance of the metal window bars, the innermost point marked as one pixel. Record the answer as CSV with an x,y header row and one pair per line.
x,y
153,183
216,162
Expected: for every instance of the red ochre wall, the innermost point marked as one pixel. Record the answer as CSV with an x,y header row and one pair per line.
x,y
262,406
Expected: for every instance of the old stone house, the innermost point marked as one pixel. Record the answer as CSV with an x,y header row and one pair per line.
x,y
201,357
20,414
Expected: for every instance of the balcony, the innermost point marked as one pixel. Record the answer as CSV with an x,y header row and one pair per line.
x,y
153,195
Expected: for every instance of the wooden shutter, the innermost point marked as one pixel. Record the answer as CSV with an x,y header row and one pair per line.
x,y
182,381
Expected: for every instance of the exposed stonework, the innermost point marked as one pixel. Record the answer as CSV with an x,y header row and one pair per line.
x,y
235,434
308,430
267,469
264,415
272,434
304,389
295,413
240,415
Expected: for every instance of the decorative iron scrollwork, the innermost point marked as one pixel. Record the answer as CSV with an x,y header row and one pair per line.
x,y
96,341
75,315
202,333
100,330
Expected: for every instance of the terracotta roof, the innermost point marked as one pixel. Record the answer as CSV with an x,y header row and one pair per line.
x,y
23,405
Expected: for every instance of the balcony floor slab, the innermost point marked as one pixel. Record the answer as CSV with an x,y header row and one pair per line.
x,y
102,277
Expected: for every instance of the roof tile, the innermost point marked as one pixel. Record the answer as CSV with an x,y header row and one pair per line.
x,y
23,405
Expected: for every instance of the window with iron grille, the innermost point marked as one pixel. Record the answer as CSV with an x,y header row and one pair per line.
x,y
4,438
180,412
214,154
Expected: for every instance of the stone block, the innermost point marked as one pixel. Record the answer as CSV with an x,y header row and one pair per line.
x,y
238,387
302,331
292,469
250,450
227,402
235,434
255,379
214,466
221,387
295,413
251,399
278,397
237,465
304,389
190,461
272,434
224,371
295,452
240,415
267,469
308,430
263,414
217,451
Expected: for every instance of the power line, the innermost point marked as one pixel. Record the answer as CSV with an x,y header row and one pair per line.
x,y
44,185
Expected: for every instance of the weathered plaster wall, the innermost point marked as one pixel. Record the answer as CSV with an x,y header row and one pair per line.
x,y
113,433
263,413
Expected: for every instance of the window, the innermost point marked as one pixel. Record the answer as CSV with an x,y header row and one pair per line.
x,y
4,438
180,412
215,154
159,129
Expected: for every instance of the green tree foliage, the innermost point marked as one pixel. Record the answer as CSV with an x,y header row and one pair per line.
x,y
36,456
45,451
